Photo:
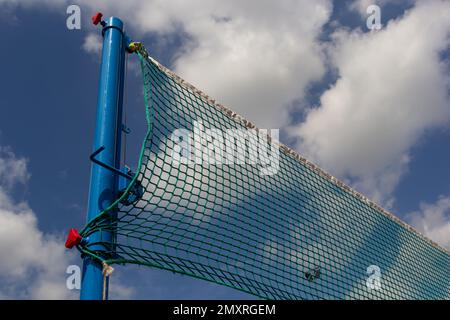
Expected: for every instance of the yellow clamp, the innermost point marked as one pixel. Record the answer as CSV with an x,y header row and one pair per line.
x,y
134,46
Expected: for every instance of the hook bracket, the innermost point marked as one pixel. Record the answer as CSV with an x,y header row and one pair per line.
x,y
125,176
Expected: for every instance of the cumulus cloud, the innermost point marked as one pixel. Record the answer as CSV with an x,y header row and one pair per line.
x,y
361,6
93,43
13,170
256,56
118,290
32,263
392,88
29,3
433,220
260,56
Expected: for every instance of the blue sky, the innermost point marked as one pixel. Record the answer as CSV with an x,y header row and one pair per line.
x,y
48,84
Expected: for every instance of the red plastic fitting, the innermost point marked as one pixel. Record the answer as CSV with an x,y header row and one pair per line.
x,y
97,18
73,239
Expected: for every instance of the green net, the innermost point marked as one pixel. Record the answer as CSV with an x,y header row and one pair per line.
x,y
254,215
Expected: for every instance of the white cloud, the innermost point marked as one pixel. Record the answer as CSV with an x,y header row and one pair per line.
x,y
93,43
392,88
32,263
12,169
118,290
259,58
256,56
433,220
361,6
29,3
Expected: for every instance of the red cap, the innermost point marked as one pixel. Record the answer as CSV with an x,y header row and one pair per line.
x,y
73,238
97,18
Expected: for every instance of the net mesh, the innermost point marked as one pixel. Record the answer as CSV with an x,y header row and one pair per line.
x,y
277,230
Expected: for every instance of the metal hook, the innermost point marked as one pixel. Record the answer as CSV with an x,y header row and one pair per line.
x,y
136,191
107,166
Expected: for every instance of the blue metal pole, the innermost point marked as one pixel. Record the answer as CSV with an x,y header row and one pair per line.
x,y
103,183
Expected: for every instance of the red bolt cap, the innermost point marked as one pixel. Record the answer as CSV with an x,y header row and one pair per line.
x,y
97,18
73,238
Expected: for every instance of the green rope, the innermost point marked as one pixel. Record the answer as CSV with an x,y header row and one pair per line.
x,y
296,233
